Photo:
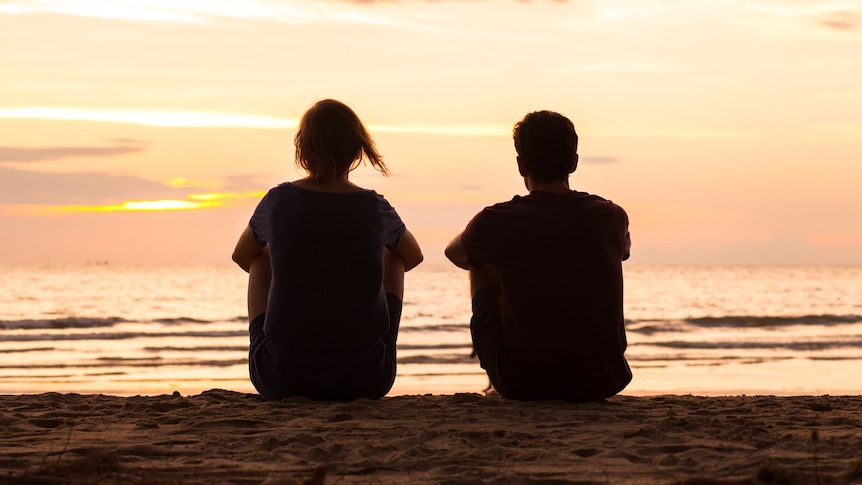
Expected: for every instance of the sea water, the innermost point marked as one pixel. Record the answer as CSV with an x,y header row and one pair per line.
x,y
708,330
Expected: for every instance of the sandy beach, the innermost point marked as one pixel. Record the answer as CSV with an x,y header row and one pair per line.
x,y
228,437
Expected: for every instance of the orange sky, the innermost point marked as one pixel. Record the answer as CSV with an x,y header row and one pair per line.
x,y
145,131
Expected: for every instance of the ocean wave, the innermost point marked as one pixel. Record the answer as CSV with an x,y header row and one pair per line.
x,y
198,348
179,320
120,336
29,349
738,321
434,327
60,323
796,346
110,362
96,322
107,362
464,358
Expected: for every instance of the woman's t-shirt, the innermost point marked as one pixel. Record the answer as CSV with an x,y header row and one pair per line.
x,y
327,291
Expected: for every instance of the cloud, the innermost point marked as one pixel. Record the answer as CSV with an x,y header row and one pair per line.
x,y
838,25
147,117
28,193
247,182
205,119
621,66
598,159
127,141
32,187
841,21
203,13
684,133
372,2
38,154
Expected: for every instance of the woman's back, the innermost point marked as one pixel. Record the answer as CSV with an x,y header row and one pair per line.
x,y
327,262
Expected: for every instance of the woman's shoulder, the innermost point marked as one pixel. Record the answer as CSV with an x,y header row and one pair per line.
x,y
294,190
332,186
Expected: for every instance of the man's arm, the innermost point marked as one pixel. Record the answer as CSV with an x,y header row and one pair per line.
x,y
628,244
456,253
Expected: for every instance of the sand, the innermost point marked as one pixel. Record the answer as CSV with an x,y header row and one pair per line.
x,y
228,437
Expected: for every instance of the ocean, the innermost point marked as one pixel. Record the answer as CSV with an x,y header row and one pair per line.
x,y
703,330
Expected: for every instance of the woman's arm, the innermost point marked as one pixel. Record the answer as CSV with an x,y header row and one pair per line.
x,y
246,249
409,251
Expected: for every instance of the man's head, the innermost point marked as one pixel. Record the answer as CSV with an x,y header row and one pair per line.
x,y
547,146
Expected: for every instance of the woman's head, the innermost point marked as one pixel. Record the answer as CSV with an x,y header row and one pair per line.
x,y
331,141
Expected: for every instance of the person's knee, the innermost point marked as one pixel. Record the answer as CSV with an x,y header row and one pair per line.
x,y
481,278
259,279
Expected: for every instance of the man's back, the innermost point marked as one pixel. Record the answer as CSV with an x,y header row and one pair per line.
x,y
558,257
546,276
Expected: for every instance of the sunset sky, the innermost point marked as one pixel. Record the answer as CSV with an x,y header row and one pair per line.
x,y
145,131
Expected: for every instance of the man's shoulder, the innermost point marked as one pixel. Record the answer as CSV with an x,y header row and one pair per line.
x,y
541,206
504,205
603,202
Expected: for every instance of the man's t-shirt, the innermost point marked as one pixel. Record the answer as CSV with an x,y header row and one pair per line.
x,y
326,301
559,261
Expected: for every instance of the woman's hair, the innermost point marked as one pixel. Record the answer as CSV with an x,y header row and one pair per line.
x,y
331,141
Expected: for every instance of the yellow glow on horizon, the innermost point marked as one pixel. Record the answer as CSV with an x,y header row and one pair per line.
x,y
194,202
194,184
224,196
134,206
158,205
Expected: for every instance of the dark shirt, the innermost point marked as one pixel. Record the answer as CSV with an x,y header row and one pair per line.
x,y
559,261
327,301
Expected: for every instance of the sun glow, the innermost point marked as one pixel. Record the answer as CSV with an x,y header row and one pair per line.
x,y
193,202
130,206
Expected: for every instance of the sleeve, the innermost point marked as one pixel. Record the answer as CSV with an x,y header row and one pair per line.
x,y
472,240
621,219
260,220
393,227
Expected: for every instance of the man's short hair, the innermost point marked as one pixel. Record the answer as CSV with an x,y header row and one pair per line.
x,y
547,145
